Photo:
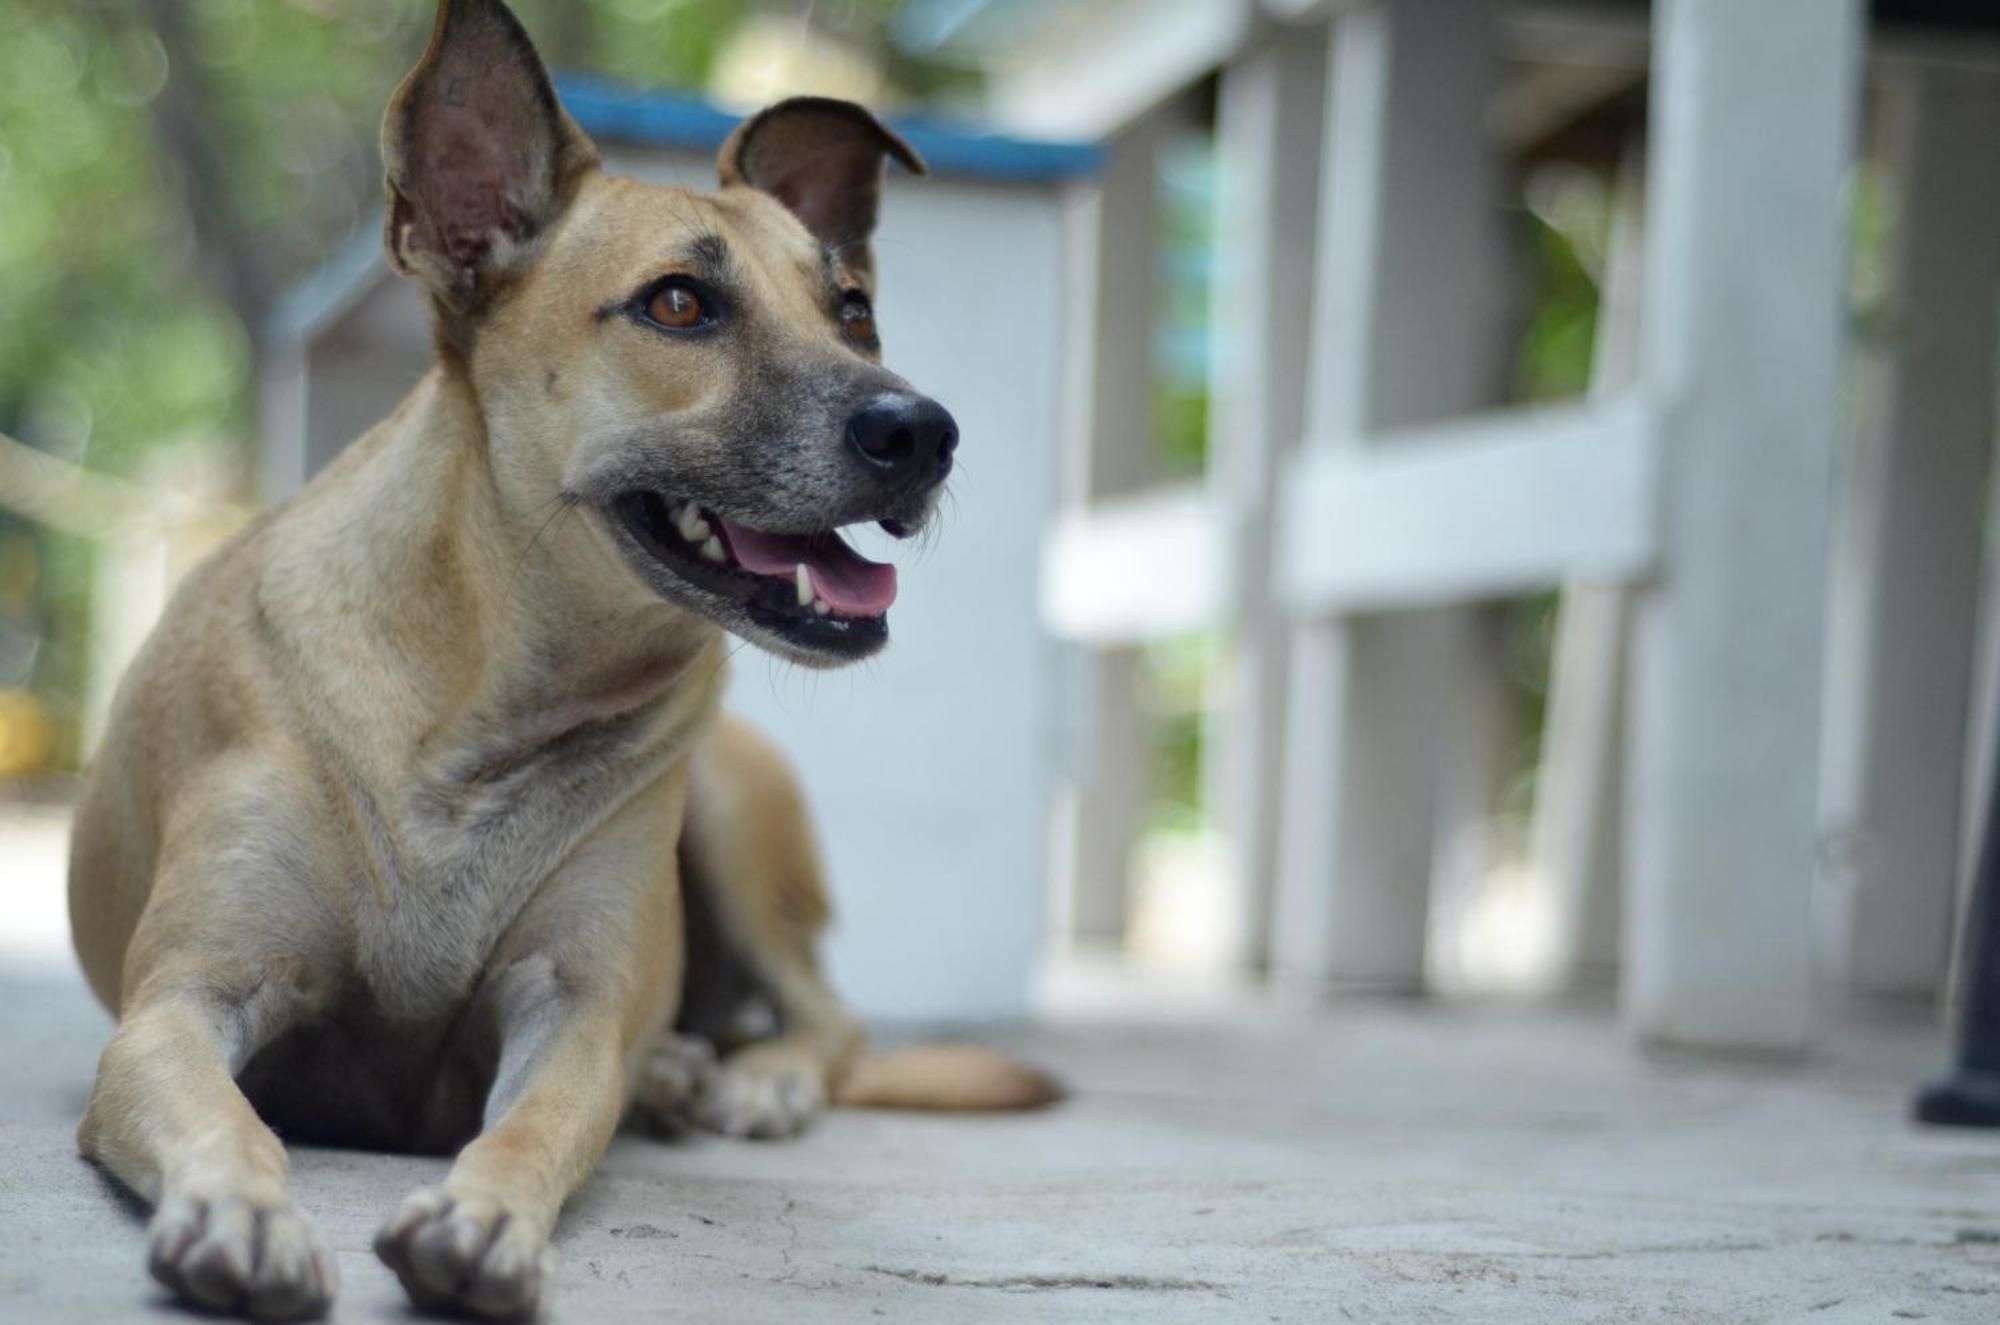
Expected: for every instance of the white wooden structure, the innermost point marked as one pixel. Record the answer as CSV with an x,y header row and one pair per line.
x,y
1765,531
1747,778
928,769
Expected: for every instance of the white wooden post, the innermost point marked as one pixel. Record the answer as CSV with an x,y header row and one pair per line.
x,y
1575,836
1752,110
1403,332
1113,234
1908,548
1106,805
1109,450
1272,106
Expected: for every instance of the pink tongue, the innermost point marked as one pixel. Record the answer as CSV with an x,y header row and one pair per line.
x,y
850,584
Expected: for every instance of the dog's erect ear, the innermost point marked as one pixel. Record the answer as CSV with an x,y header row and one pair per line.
x,y
823,160
478,156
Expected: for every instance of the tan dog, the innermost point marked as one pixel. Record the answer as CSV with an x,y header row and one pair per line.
x,y
413,827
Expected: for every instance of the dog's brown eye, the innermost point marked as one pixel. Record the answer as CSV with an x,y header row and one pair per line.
x,y
675,306
857,318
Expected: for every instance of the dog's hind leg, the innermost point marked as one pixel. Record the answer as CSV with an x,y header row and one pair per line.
x,y
753,886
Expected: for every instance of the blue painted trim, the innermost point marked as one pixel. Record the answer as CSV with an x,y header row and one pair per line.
x,y
620,114
330,289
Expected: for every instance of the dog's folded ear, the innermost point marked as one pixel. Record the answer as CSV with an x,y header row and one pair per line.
x,y
478,156
823,159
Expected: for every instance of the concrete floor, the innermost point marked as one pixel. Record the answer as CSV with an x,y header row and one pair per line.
x,y
1376,1162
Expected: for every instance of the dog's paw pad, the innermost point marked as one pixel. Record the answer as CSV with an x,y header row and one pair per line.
x,y
248,1258
673,1083
466,1255
762,1098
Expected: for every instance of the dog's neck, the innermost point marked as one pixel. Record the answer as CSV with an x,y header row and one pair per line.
x,y
478,626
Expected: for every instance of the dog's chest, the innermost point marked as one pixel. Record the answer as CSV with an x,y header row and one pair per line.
x,y
473,842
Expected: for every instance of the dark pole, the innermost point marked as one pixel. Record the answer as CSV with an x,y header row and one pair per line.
x,y
1970,1095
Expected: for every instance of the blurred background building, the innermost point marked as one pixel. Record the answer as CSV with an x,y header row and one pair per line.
x,y
1458,496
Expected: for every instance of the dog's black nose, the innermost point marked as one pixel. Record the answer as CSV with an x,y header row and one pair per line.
x,y
904,437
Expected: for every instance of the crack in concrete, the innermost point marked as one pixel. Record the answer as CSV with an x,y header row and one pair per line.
x,y
1658,1249
641,1231
790,1225
1044,1283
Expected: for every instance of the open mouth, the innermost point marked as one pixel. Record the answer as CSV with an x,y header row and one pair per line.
x,y
813,589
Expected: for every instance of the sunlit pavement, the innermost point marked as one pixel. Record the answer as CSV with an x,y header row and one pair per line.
x,y
34,916
1374,1161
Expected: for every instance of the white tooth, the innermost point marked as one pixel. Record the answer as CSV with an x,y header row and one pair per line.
x,y
820,608
712,550
805,584
688,520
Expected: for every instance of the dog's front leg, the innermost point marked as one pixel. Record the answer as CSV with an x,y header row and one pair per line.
x,y
166,1118
479,1243
583,982
210,979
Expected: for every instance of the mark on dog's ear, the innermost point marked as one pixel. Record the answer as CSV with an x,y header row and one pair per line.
x,y
478,156
823,159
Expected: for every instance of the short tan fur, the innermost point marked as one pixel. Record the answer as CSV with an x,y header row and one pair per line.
x,y
415,824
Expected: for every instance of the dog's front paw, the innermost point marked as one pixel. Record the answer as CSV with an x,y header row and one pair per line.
x,y
763,1095
249,1258
673,1083
467,1255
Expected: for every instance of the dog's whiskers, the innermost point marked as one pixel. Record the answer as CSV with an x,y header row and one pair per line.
x,y
563,502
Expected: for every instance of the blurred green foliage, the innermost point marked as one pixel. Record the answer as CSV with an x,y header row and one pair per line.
x,y
1185,292
1553,360
1176,675
107,340
1562,234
